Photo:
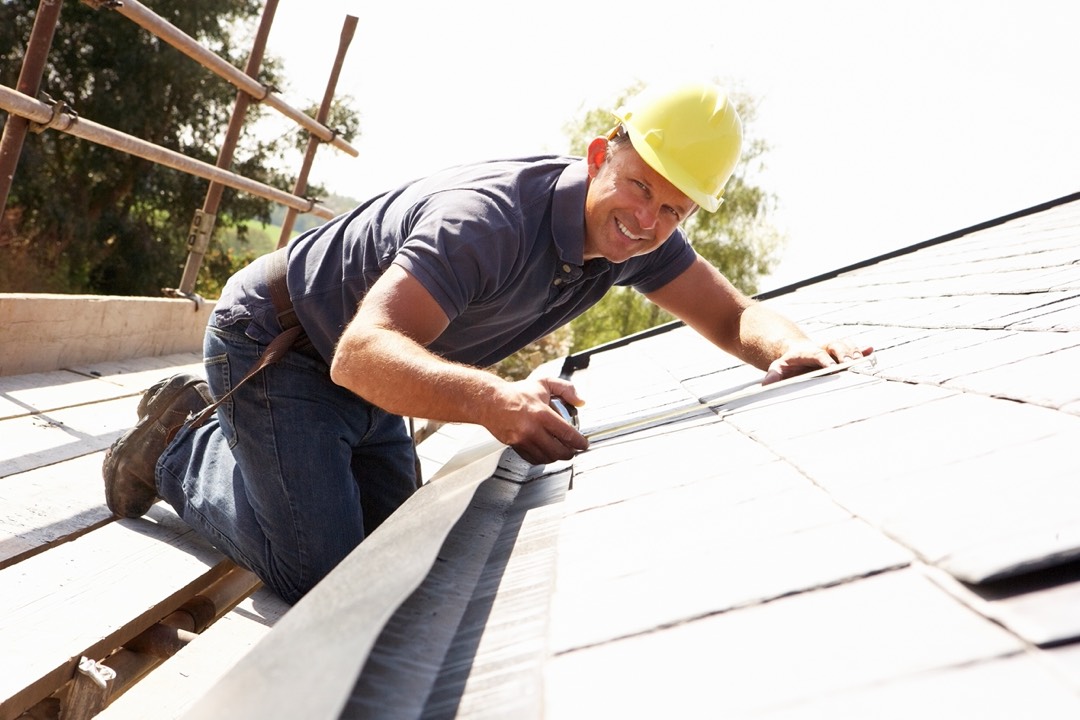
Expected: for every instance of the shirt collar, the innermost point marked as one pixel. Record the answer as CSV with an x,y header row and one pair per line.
x,y
568,213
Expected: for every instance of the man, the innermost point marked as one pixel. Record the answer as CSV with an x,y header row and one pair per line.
x,y
401,303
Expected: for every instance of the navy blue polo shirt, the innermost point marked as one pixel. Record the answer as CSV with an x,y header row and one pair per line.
x,y
499,245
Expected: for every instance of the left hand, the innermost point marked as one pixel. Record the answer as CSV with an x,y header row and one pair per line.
x,y
804,356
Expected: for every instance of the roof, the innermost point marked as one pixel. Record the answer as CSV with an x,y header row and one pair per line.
x,y
894,540
75,582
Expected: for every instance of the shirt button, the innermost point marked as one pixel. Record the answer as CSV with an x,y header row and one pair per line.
x,y
558,281
566,268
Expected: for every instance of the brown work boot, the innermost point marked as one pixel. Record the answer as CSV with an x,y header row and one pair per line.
x,y
129,464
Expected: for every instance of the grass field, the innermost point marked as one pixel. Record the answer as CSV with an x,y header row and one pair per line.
x,y
260,238
263,238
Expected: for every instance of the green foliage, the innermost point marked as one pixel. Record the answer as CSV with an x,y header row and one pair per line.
x,y
621,312
84,218
519,365
340,204
341,118
737,238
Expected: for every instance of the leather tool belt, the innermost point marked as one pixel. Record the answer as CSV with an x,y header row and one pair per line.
x,y
292,334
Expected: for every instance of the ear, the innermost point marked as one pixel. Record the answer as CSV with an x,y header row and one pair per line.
x,y
596,155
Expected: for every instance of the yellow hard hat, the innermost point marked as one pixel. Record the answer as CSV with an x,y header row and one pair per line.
x,y
691,134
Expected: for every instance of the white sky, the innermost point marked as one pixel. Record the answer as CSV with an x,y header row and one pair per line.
x,y
889,123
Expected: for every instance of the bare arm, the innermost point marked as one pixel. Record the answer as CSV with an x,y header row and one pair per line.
x,y
705,300
382,357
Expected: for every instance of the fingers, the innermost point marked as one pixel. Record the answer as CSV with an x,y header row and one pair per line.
x,y
563,389
845,350
796,361
775,372
561,437
533,427
548,444
808,356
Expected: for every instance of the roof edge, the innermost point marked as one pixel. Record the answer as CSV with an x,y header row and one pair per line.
x,y
1041,207
307,665
580,360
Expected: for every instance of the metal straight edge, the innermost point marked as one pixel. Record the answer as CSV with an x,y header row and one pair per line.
x,y
603,433
307,665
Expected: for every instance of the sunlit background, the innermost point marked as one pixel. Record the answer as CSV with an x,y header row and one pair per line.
x,y
889,123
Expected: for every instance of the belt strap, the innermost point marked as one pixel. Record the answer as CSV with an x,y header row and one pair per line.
x,y
276,270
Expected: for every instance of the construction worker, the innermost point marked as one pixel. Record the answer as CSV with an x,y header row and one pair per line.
x,y
392,310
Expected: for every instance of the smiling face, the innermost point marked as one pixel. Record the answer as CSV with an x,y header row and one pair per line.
x,y
630,209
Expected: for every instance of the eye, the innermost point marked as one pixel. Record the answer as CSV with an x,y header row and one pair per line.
x,y
673,212
641,186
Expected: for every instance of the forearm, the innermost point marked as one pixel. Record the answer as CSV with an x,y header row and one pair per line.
x,y
750,331
707,302
382,356
397,374
394,372
762,335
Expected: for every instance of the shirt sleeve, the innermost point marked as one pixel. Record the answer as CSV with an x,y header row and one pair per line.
x,y
459,245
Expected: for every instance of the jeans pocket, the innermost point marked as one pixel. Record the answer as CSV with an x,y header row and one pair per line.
x,y
220,380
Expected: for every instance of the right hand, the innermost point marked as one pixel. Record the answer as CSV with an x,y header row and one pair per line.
x,y
524,419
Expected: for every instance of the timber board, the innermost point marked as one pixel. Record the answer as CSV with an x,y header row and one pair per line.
x,y
74,581
89,596
48,505
44,392
33,441
174,685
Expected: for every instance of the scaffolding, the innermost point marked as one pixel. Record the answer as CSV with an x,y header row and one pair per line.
x,y
27,113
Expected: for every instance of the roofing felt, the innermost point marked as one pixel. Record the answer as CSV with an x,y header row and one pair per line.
x,y
900,539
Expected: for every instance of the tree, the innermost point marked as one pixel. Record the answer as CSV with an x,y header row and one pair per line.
x,y
85,218
737,238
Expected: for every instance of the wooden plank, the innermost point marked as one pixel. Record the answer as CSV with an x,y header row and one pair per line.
x,y
37,440
22,395
137,374
174,685
48,505
89,596
308,666
56,426
44,392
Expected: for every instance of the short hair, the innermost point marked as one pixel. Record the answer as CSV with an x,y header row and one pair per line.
x,y
618,139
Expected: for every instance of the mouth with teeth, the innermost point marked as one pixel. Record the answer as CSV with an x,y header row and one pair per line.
x,y
626,232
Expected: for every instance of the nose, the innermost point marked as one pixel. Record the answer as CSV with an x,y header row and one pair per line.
x,y
647,215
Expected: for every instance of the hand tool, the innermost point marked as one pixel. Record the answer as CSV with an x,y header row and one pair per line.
x,y
569,412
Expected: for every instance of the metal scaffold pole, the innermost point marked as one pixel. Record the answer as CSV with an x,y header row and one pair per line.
x,y
16,127
300,187
202,225
59,117
148,20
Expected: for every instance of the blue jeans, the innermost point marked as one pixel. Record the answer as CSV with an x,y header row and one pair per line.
x,y
291,472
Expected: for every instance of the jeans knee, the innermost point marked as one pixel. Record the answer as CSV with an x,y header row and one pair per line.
x,y
293,580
